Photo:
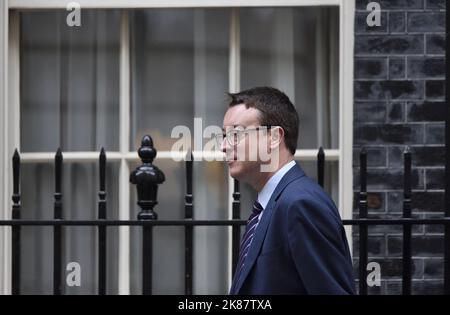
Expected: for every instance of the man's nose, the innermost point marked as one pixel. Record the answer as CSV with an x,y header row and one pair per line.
x,y
223,146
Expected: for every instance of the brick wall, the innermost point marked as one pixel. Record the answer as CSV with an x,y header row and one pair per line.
x,y
398,101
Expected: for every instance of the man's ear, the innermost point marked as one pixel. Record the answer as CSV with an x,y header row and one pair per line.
x,y
276,136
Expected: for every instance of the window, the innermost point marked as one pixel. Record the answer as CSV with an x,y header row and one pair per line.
x,y
69,99
126,73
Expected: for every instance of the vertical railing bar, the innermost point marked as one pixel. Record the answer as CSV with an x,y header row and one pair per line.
x,y
15,285
236,228
147,260
147,177
406,283
362,227
188,215
102,228
57,230
321,166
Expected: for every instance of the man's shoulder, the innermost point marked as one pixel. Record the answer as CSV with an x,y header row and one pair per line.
x,y
303,188
305,195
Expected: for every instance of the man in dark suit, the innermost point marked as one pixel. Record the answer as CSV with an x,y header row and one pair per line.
x,y
294,242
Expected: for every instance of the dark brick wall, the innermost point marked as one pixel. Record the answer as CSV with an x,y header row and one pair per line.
x,y
398,101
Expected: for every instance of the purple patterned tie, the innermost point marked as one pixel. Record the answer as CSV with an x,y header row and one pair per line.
x,y
247,238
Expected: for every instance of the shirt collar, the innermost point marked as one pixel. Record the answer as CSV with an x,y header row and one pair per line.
x,y
268,189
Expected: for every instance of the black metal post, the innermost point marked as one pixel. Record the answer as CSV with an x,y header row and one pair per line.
x,y
321,166
102,228
57,230
16,229
236,228
362,227
188,236
147,259
147,177
406,283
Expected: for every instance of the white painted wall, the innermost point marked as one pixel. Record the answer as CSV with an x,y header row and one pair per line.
x,y
4,148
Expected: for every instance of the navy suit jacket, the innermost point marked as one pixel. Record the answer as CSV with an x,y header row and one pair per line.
x,y
299,246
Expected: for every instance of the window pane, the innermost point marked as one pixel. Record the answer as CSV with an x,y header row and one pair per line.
x,y
69,81
297,51
179,71
80,191
210,243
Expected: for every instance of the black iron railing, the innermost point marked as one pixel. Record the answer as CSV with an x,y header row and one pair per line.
x,y
147,177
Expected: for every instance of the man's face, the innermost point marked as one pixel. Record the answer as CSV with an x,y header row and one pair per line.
x,y
242,158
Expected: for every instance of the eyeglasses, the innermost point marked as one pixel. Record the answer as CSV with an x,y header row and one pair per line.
x,y
235,136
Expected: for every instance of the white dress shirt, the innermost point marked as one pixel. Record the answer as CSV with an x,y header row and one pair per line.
x,y
268,189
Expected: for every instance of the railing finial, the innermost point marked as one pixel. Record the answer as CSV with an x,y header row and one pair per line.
x,y
147,177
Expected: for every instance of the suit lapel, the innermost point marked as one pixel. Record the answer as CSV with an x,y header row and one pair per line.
x,y
260,233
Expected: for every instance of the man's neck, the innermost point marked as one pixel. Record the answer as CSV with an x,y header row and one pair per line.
x,y
265,176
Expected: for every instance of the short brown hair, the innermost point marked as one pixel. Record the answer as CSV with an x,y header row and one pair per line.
x,y
276,110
